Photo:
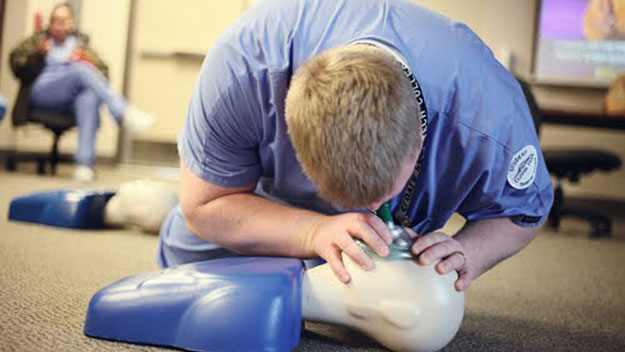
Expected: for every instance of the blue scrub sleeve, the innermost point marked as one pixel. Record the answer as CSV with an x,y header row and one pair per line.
x,y
219,139
487,163
492,196
495,131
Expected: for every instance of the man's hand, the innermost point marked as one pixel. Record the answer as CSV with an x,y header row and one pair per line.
x,y
476,248
452,254
335,234
43,46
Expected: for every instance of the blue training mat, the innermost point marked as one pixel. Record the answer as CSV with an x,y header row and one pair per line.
x,y
243,304
77,209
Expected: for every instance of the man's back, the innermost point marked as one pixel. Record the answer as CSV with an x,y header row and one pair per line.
x,y
254,59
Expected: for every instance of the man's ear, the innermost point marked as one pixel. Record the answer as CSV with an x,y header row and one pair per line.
x,y
403,314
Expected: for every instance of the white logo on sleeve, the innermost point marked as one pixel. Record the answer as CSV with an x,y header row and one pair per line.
x,y
522,171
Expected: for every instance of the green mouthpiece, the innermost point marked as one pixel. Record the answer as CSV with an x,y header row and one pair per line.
x,y
385,212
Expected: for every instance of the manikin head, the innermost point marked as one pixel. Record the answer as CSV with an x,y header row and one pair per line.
x,y
401,304
352,117
61,22
142,203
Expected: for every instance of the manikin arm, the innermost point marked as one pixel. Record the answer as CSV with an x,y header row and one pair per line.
x,y
477,247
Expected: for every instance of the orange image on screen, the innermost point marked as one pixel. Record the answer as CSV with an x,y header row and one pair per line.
x,y
605,20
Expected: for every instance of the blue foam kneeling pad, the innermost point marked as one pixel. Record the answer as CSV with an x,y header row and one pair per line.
x,y
241,304
77,209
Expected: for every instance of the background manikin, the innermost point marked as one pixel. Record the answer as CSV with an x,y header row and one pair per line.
x,y
141,203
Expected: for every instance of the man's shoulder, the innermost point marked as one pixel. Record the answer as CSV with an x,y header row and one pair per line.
x,y
505,131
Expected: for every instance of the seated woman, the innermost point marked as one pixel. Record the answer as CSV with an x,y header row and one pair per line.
x,y
58,71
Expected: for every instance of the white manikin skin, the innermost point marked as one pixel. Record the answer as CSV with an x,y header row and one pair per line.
x,y
141,203
404,306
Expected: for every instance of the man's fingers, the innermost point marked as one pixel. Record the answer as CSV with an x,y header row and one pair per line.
x,y
363,230
333,257
380,227
438,251
412,234
424,242
453,262
354,251
463,282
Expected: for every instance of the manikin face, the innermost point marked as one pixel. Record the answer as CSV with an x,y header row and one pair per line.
x,y
403,305
61,24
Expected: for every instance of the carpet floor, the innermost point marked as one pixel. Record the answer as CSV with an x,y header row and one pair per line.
x,y
564,292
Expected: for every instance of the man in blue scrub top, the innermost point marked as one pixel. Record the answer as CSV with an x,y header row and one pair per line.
x,y
309,114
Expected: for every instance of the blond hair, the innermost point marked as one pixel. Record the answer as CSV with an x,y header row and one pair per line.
x,y
352,117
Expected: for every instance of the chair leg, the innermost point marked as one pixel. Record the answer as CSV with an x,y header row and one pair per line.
x,y
601,227
600,224
41,166
54,155
555,213
10,163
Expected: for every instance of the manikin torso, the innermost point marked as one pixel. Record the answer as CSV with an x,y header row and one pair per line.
x,y
401,304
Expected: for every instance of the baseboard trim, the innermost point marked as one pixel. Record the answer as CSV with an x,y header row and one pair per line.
x,y
154,153
63,157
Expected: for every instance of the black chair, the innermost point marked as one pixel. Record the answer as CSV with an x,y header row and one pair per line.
x,y
57,123
571,164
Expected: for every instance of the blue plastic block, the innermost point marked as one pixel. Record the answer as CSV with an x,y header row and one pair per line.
x,y
77,209
242,304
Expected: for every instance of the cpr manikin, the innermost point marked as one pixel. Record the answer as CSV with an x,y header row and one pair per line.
x,y
141,203
250,304
401,304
